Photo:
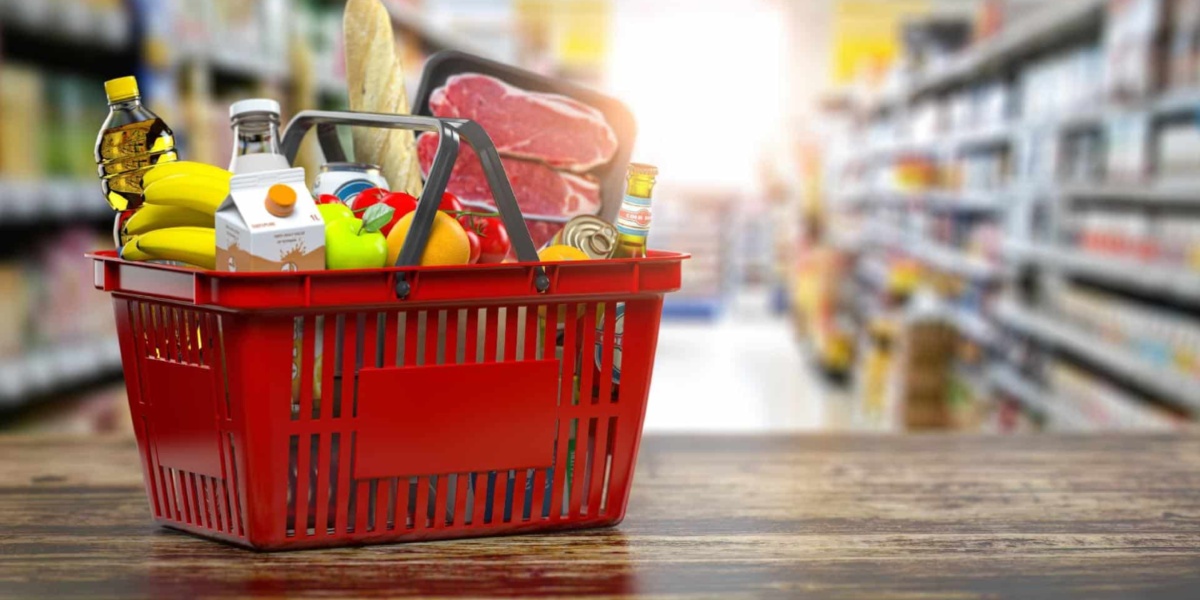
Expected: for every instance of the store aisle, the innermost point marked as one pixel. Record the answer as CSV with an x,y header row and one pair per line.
x,y
745,372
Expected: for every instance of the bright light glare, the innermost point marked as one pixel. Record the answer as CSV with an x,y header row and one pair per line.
x,y
704,79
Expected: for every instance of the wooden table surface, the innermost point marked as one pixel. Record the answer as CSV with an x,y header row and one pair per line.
x,y
812,516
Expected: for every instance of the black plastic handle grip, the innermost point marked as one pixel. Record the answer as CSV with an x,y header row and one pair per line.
x,y
448,131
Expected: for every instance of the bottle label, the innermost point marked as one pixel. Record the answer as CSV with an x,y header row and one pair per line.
x,y
634,216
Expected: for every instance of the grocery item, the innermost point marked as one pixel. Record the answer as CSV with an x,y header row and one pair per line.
x,y
561,252
152,216
185,167
400,202
333,212
593,235
132,140
194,192
633,222
269,222
191,245
540,191
493,237
346,180
353,243
375,80
255,124
561,132
447,243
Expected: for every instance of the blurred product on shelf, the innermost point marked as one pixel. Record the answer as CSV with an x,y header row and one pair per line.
x,y
1151,238
1161,337
1104,405
44,120
1132,49
700,223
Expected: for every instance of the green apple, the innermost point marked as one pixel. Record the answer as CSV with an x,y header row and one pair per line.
x,y
334,212
352,243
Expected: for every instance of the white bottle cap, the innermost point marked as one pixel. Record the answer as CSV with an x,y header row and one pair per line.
x,y
253,105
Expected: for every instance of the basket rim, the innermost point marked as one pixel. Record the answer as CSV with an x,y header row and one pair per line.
x,y
652,256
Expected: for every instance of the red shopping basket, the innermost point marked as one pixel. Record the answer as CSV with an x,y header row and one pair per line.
x,y
331,408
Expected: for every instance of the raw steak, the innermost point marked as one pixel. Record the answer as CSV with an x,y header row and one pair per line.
x,y
554,129
539,189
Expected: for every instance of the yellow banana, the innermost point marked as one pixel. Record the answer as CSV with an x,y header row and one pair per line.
x,y
130,251
201,194
192,245
153,216
184,167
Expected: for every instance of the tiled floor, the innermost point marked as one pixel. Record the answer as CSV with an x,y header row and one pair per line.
x,y
745,372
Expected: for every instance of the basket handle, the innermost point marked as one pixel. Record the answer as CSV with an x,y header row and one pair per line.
x,y
448,131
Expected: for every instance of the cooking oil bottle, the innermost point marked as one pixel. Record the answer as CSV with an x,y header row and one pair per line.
x,y
132,140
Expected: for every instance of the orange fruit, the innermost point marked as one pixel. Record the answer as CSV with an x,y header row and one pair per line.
x,y
559,252
447,244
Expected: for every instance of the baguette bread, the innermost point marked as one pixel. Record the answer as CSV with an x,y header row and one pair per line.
x,y
375,77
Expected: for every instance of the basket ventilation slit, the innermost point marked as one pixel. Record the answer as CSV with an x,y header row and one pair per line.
x,y
460,512
238,502
422,331
608,463
478,498
460,338
587,471
293,450
307,506
445,496
347,487
380,338
297,345
331,503
393,502
410,507
372,486
401,326
597,464
440,339
364,342
449,354
579,464
539,491
316,364
379,504
339,350
511,331
224,367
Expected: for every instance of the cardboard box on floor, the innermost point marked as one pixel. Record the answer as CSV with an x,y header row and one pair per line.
x,y
260,229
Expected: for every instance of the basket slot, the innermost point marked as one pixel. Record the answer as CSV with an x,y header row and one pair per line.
x,y
587,346
412,328
235,500
345,485
578,471
607,349
540,492
490,317
348,337
328,393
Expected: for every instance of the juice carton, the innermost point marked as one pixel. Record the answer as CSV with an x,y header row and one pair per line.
x,y
270,222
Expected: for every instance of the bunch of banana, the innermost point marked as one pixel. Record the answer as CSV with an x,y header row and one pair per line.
x,y
177,219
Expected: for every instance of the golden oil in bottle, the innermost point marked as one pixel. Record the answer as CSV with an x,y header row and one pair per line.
x,y
132,140
633,220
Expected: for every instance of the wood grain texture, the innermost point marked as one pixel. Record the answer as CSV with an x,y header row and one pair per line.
x,y
795,516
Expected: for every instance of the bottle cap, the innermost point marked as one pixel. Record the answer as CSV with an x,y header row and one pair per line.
x,y
643,169
121,89
253,105
281,199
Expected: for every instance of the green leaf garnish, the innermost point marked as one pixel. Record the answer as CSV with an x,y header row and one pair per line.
x,y
376,216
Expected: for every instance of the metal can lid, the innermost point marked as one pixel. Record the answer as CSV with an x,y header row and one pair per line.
x,y
349,166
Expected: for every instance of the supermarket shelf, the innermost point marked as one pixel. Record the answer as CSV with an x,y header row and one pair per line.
x,y
1049,26
1182,194
706,308
1169,385
951,259
1177,102
1172,281
56,368
972,325
431,37
73,22
1036,398
967,201
55,200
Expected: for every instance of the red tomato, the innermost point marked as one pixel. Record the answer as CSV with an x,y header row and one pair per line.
x,y
366,198
473,240
493,239
450,203
328,199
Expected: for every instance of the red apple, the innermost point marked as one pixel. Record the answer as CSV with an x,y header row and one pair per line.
x,y
328,199
367,197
